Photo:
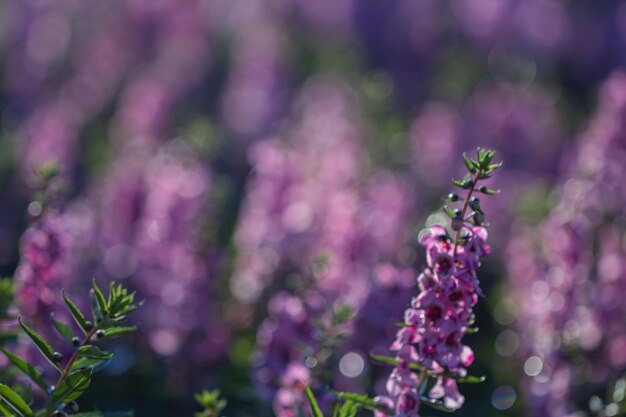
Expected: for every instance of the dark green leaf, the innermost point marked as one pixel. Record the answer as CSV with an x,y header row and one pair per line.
x,y
15,401
72,387
100,298
94,364
118,331
63,329
315,408
77,314
41,344
96,311
28,370
93,352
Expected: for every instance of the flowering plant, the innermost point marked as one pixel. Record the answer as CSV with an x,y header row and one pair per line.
x,y
75,373
430,356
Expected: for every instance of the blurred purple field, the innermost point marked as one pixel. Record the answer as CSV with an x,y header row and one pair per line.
x,y
261,173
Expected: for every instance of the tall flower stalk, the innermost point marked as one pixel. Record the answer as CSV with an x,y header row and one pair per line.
x,y
430,352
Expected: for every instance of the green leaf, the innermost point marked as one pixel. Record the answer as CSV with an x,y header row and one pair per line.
x,y
82,363
348,409
93,352
43,346
72,386
28,370
458,183
471,379
488,191
100,298
15,401
96,312
77,314
469,164
118,331
5,411
63,329
450,213
363,400
315,408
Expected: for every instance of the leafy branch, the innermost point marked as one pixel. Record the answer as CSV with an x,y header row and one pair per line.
x,y
109,316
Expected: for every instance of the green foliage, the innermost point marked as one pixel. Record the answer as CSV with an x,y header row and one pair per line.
x,y
15,401
315,408
109,315
212,404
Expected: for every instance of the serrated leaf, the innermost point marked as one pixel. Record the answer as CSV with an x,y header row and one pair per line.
x,y
315,408
15,401
118,331
64,330
27,369
43,346
100,298
93,352
78,316
72,386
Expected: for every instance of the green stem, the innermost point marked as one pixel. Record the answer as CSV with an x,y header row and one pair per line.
x,y
68,366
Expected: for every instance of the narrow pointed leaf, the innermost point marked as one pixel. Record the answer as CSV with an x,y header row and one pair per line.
x,y
96,311
315,408
72,387
469,164
25,367
77,314
93,352
43,346
100,298
471,379
15,401
363,400
4,411
118,331
64,330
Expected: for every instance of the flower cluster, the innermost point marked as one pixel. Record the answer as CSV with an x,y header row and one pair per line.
x,y
430,338
308,221
568,272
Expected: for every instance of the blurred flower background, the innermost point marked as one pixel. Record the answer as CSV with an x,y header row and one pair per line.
x,y
254,168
